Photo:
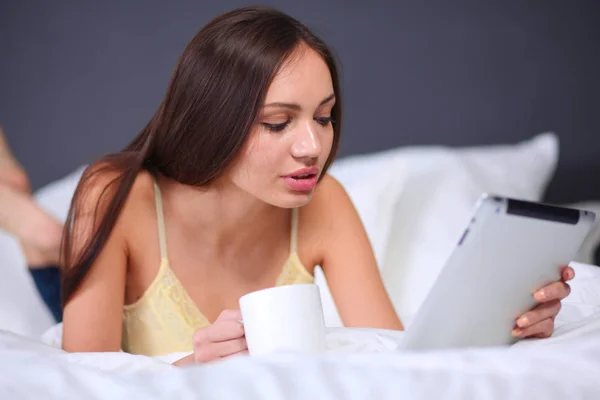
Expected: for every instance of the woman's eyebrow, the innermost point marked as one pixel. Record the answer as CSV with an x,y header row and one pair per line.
x,y
297,107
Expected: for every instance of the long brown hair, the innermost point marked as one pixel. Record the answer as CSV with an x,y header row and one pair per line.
x,y
211,104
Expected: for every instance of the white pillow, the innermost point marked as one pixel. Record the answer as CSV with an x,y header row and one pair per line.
x,y
439,194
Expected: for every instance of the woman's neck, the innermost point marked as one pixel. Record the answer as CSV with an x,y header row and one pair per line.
x,y
224,217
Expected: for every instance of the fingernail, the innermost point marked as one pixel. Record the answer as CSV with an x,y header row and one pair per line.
x,y
517,332
522,321
541,295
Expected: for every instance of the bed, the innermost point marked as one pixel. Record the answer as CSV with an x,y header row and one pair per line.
x,y
414,202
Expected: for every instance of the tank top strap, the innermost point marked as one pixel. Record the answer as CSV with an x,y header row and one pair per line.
x,y
294,231
160,219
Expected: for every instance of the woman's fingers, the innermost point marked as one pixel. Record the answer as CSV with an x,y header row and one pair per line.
x,y
539,313
542,329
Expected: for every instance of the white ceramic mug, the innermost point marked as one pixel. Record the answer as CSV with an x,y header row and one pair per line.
x,y
284,319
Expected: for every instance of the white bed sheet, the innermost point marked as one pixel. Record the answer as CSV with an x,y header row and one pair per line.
x,y
361,363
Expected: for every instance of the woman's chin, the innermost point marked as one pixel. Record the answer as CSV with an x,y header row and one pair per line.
x,y
292,199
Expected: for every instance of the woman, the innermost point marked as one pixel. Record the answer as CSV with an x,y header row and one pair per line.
x,y
224,192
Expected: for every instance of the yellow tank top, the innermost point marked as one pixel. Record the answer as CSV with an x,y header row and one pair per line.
x,y
165,318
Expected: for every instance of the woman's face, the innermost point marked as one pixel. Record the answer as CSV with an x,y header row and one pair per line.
x,y
287,149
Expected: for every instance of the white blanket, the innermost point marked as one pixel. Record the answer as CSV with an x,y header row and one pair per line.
x,y
361,363
567,370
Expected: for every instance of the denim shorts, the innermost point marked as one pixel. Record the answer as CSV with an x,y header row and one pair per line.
x,y
47,281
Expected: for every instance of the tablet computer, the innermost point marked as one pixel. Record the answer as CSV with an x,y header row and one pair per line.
x,y
509,249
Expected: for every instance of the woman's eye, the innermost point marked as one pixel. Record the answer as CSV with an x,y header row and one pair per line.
x,y
276,127
324,120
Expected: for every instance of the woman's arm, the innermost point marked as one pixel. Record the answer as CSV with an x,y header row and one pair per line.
x,y
92,319
349,263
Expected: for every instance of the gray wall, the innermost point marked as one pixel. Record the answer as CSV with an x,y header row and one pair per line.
x,y
80,78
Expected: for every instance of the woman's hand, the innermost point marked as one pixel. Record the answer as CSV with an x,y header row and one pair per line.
x,y
539,321
225,338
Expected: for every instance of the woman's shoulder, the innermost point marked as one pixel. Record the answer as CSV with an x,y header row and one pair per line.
x,y
103,178
329,198
99,184
329,203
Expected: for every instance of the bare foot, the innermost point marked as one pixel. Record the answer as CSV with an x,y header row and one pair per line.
x,y
38,232
22,217
11,172
37,258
